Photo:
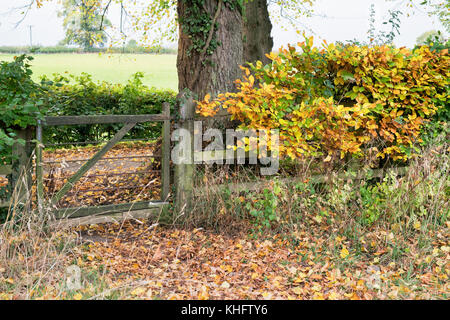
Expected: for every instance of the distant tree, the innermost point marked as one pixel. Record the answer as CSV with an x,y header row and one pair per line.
x,y
84,23
132,44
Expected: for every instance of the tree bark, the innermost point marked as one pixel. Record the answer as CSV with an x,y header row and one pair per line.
x,y
241,39
212,74
257,32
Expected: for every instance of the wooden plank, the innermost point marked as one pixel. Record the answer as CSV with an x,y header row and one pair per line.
x,y
5,170
4,204
107,218
165,164
260,184
90,163
103,119
101,210
217,155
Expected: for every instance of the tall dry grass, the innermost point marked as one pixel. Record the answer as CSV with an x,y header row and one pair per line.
x,y
228,198
34,251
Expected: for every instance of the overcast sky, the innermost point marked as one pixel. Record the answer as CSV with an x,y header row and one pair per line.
x,y
334,20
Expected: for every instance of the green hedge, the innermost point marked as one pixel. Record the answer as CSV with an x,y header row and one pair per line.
x,y
440,124
79,95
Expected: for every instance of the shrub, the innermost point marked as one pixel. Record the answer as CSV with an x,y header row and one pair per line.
x,y
341,99
20,102
81,96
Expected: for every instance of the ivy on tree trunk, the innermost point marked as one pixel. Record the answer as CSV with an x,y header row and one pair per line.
x,y
216,37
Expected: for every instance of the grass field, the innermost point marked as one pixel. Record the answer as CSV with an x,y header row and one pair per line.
x,y
159,70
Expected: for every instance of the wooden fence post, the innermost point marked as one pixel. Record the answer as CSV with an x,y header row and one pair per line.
x,y
184,172
165,160
39,169
21,173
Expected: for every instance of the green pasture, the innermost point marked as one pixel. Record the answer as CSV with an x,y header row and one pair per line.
x,y
159,70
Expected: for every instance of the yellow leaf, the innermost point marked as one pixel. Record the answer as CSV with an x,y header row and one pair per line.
x,y
78,296
203,294
333,296
138,291
318,296
267,295
344,253
297,290
252,80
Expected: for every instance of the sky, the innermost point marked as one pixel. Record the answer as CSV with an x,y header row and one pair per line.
x,y
333,20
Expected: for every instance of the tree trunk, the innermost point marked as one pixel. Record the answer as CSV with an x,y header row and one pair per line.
x,y
211,74
239,42
257,32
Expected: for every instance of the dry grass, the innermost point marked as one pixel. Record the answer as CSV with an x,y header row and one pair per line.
x,y
33,256
398,225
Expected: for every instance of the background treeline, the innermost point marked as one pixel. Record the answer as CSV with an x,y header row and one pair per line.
x,y
64,49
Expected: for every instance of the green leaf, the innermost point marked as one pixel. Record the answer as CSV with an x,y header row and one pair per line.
x,y
347,76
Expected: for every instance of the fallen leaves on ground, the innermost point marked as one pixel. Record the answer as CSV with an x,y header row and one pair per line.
x,y
159,263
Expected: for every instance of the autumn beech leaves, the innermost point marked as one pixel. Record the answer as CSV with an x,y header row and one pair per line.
x,y
340,100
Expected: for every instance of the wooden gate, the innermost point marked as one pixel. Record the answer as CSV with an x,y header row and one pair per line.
x,y
129,122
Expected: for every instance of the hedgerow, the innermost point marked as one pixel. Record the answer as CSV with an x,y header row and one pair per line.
x,y
23,101
341,99
80,95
